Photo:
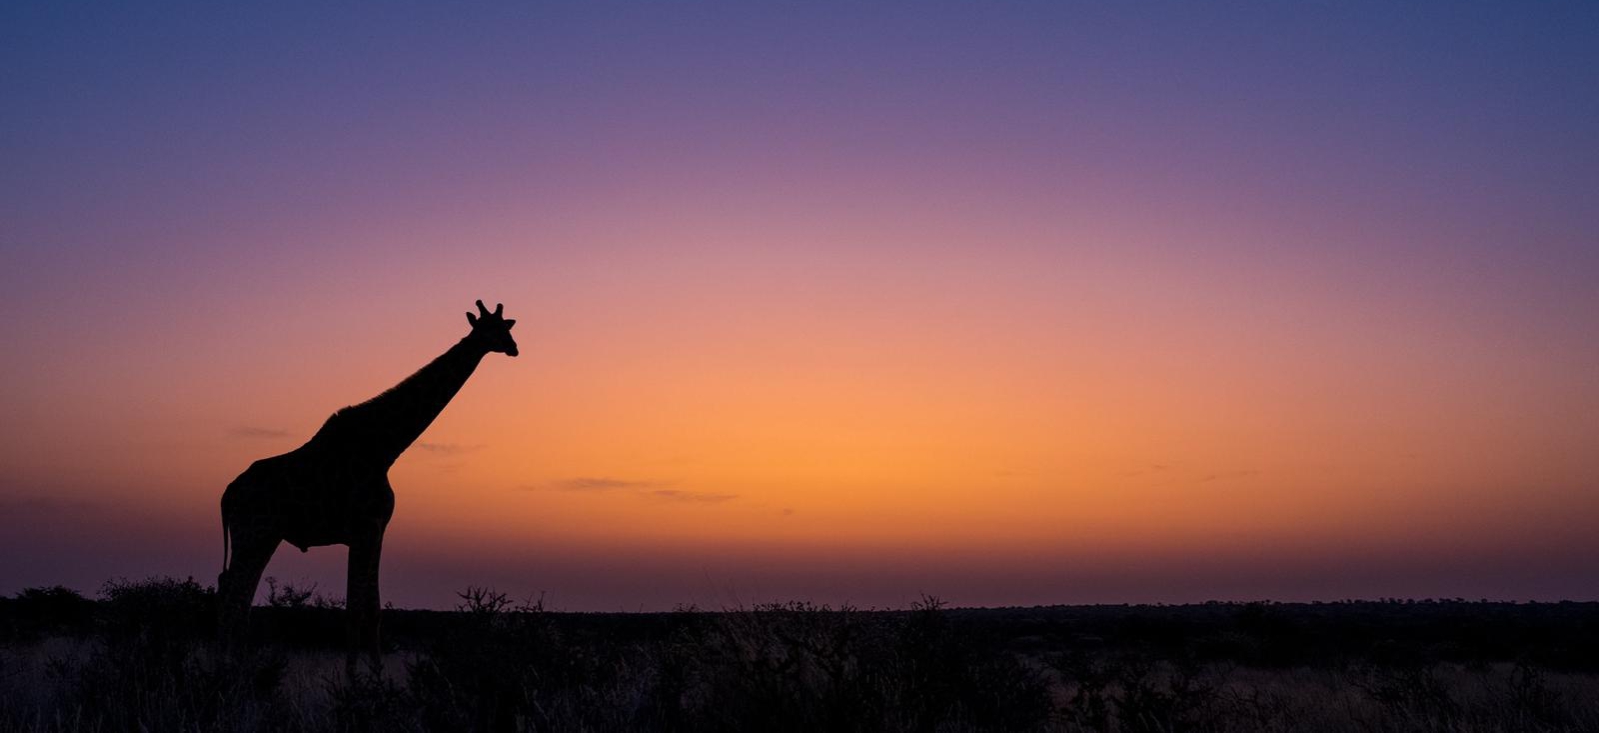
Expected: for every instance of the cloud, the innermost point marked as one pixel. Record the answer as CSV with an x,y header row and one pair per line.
x,y
699,497
1229,475
251,431
644,489
590,483
42,504
656,490
449,449
1151,468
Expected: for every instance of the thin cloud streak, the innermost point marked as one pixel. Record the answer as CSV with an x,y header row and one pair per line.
x,y
255,432
17,505
449,449
590,483
646,489
698,497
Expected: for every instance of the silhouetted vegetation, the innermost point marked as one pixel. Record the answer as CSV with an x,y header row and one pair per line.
x,y
141,657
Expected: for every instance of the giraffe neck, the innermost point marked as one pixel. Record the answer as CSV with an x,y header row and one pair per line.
x,y
383,427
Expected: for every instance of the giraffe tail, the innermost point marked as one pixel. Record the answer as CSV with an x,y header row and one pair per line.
x,y
226,543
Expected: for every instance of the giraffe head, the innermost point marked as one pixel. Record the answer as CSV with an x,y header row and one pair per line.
x,y
493,330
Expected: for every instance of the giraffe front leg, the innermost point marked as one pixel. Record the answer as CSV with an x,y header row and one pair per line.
x,y
362,602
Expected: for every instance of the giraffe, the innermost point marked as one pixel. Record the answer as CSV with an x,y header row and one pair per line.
x,y
334,490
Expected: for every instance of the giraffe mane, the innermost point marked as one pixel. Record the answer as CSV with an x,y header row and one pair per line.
x,y
347,416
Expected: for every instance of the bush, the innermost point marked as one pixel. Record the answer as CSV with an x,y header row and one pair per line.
x,y
54,610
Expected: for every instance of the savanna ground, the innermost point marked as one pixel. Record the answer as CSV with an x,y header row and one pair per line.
x,y
139,657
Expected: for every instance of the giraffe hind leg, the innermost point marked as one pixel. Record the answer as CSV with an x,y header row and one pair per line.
x,y
251,551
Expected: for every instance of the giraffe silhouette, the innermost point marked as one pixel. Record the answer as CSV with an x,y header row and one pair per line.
x,y
334,490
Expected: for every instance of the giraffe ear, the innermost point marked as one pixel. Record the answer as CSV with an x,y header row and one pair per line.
x,y
509,322
472,319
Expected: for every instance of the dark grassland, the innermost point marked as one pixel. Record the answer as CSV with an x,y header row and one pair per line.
x,y
140,658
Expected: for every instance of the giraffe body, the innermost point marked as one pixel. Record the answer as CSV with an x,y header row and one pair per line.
x,y
334,490
308,499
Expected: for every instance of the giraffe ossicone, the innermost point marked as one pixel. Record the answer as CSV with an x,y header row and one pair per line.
x,y
334,490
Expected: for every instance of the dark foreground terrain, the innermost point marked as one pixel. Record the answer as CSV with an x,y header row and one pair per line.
x,y
140,658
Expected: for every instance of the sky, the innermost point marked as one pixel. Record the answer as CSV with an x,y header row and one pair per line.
x,y
1006,303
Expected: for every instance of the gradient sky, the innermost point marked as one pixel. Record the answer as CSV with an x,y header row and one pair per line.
x,y
1010,303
